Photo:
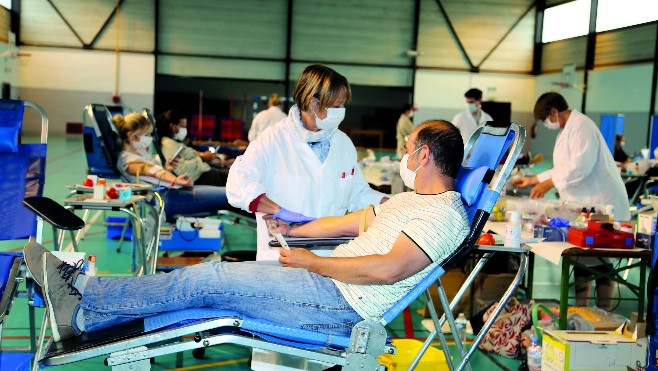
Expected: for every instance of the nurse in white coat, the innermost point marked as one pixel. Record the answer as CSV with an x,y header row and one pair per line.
x,y
469,120
303,167
266,118
584,171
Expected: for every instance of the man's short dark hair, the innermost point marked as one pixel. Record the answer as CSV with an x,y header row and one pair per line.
x,y
445,143
474,93
547,101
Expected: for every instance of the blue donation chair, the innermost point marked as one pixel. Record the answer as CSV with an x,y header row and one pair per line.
x,y
23,212
480,181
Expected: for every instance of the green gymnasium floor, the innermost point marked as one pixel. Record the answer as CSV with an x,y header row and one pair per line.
x,y
66,165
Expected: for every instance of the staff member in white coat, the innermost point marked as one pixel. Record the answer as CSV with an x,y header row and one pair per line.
x,y
583,171
469,120
266,118
303,163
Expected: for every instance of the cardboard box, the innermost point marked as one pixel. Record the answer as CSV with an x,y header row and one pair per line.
x,y
589,351
646,222
451,281
644,241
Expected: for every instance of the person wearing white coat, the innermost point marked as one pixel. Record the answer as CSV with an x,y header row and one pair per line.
x,y
303,163
266,118
469,120
584,171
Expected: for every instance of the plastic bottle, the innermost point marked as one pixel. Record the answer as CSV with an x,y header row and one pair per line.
x,y
513,231
460,323
534,355
91,266
99,189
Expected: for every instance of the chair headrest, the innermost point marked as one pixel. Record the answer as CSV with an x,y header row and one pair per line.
x,y
11,119
471,181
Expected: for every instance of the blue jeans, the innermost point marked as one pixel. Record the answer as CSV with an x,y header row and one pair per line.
x,y
199,198
264,289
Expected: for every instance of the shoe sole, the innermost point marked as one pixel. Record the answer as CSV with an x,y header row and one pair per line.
x,y
49,305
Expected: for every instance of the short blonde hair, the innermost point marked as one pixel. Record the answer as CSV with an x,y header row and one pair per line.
x,y
132,122
320,82
274,100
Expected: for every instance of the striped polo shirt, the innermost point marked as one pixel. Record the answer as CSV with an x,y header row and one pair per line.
x,y
436,223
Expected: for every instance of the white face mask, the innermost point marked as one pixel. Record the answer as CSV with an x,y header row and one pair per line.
x,y
472,107
408,176
622,143
181,135
551,125
411,114
144,143
334,117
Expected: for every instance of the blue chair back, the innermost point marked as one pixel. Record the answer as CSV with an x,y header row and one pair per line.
x,y
102,142
23,169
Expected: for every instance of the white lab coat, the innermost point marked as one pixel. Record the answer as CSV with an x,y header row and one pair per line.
x,y
467,125
583,168
284,167
263,120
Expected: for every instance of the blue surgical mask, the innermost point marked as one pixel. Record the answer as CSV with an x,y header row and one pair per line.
x,y
472,107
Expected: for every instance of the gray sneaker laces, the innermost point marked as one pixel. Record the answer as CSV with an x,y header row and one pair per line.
x,y
66,271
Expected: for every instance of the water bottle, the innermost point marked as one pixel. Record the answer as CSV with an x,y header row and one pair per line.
x,y
460,323
91,266
534,355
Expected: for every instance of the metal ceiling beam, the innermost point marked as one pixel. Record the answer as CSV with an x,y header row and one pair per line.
x,y
104,26
590,51
414,46
654,81
286,78
506,34
471,66
538,49
67,23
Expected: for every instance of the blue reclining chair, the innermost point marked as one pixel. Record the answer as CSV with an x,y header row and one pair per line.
x,y
134,344
23,212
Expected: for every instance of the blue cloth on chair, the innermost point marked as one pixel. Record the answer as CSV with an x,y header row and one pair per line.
x,y
11,118
16,221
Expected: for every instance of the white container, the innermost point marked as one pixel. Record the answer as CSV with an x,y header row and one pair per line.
x,y
99,192
513,231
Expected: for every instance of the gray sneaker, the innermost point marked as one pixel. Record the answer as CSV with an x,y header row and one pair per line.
x,y
62,298
32,254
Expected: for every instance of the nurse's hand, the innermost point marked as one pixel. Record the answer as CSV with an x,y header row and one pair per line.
x,y
275,225
540,189
297,258
292,217
524,181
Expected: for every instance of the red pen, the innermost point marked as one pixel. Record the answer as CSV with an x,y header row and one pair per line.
x,y
352,170
343,176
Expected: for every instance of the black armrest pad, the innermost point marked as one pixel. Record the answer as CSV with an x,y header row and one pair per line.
x,y
53,213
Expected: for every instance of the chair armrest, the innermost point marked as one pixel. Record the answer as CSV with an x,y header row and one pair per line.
x,y
54,213
312,242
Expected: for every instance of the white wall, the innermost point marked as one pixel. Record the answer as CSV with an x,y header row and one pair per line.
x,y
440,94
9,66
64,81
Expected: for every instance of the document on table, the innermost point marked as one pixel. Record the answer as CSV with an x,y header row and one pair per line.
x,y
551,251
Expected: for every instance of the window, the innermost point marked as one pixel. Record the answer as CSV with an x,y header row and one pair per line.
x,y
611,14
6,3
567,20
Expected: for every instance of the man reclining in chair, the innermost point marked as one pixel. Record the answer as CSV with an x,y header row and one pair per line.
x,y
406,237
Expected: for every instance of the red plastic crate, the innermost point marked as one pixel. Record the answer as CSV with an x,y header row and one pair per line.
x,y
231,129
205,129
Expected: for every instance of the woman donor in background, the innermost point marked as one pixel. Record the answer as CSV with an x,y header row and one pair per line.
x,y
303,167
172,129
136,159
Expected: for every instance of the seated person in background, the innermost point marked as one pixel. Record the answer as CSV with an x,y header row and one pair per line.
x,y
136,159
172,128
407,237
620,156
266,118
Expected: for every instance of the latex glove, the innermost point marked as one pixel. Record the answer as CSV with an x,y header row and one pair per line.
x,y
292,217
